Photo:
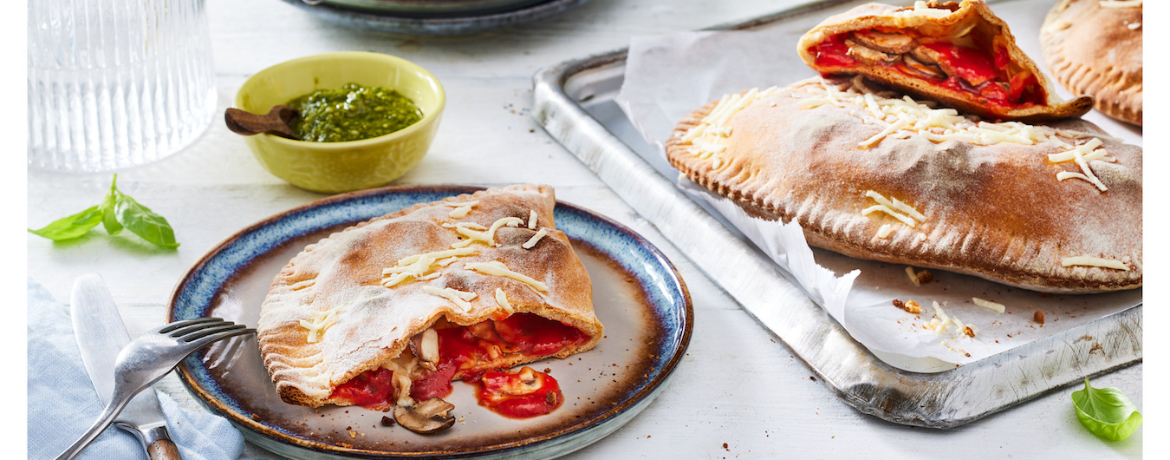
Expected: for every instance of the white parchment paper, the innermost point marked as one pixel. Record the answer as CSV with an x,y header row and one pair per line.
x,y
667,76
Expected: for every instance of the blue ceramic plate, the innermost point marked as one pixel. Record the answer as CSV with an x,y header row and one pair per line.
x,y
637,295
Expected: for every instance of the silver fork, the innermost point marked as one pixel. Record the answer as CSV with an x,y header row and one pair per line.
x,y
148,358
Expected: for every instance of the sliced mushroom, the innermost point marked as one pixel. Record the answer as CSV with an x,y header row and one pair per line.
x,y
924,69
886,43
485,330
425,346
426,417
926,55
868,56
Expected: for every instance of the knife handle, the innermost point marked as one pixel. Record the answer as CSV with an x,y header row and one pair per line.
x,y
163,449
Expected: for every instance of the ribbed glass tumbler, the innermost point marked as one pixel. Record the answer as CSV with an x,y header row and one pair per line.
x,y
116,83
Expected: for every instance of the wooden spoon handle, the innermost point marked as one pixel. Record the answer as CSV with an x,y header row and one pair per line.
x,y
249,124
163,449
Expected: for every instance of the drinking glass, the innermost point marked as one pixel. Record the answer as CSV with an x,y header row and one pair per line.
x,y
116,83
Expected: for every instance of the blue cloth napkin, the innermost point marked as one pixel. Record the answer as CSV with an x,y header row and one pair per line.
x,y
62,403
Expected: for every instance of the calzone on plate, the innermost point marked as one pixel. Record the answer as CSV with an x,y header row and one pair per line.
x,y
959,54
389,311
877,175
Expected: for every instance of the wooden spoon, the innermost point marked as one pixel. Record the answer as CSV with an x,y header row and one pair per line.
x,y
249,124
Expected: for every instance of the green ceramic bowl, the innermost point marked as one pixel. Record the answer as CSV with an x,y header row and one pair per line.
x,y
334,167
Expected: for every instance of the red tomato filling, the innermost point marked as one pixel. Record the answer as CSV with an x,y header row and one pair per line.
x,y
466,352
525,394
967,64
372,389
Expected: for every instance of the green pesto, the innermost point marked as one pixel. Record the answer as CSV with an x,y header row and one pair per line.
x,y
352,113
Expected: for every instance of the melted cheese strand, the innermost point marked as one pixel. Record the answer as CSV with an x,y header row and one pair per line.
x,y
894,203
535,238
497,268
461,209
502,299
487,237
886,209
321,320
913,276
418,265
1089,261
461,252
1119,3
1071,175
993,306
1056,26
459,298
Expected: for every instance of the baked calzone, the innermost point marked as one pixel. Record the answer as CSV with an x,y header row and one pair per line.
x,y
1095,47
388,312
877,175
959,54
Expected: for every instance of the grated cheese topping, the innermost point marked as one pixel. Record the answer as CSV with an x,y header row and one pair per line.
x,y
497,268
705,137
913,276
487,237
418,265
1082,155
321,320
904,117
993,306
942,321
894,207
1057,26
535,238
1119,3
459,298
461,209
502,299
531,219
471,225
885,230
1089,261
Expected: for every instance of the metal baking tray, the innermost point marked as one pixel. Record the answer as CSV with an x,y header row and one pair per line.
x,y
574,101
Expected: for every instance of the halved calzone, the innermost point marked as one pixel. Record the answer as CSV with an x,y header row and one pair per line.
x,y
390,311
959,54
877,175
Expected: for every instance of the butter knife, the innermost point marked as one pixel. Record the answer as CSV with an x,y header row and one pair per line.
x,y
101,335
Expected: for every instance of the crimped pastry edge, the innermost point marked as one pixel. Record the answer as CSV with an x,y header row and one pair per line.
x,y
288,378
821,235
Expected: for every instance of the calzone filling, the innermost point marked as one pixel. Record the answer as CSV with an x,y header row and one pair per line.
x,y
970,61
447,352
387,313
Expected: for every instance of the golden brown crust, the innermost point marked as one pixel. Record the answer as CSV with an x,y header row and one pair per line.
x,y
961,16
1092,50
995,211
342,274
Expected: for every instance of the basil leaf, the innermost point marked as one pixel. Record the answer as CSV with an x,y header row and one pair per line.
x,y
1106,412
143,222
109,216
67,228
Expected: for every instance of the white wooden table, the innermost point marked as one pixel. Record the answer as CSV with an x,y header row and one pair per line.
x,y
739,393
